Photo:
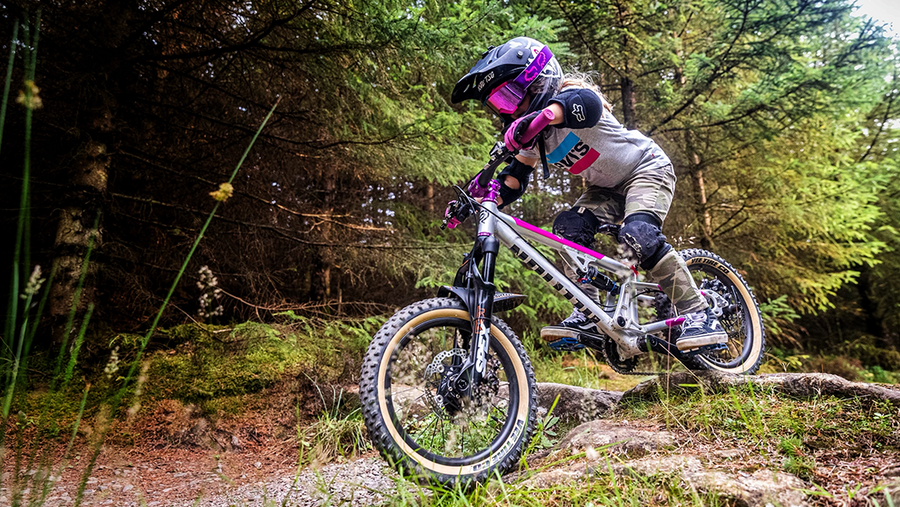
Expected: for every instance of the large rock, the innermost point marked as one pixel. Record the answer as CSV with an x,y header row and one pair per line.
x,y
804,385
759,489
762,487
616,438
576,404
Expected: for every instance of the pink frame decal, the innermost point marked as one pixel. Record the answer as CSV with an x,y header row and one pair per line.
x,y
551,236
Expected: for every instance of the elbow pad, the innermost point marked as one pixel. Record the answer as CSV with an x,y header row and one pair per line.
x,y
519,171
582,108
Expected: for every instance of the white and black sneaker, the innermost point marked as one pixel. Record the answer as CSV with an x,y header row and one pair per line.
x,y
700,329
569,328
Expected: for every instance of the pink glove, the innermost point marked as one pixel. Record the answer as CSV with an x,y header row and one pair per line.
x,y
513,136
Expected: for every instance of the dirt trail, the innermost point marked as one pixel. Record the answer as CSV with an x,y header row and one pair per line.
x,y
261,473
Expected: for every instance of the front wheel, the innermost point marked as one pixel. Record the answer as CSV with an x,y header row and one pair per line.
x,y
738,312
414,411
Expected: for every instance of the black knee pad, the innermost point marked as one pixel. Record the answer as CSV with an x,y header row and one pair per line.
x,y
578,225
641,232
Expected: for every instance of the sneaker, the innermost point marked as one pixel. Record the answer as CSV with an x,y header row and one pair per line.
x,y
700,329
569,328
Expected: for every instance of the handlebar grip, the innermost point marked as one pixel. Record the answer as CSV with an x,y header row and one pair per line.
x,y
537,125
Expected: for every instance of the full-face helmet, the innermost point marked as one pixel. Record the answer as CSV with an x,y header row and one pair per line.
x,y
506,75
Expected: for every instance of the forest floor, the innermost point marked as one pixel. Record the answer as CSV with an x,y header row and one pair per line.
x,y
712,446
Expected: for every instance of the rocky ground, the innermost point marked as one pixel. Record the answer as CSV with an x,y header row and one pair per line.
x,y
606,446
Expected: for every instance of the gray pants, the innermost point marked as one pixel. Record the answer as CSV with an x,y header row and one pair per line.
x,y
649,190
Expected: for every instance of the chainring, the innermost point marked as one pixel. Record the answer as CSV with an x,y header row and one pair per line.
x,y
615,361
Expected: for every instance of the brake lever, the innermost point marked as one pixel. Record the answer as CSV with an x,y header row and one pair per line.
x,y
458,210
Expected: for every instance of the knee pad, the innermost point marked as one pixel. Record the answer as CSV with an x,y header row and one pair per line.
x,y
578,225
641,232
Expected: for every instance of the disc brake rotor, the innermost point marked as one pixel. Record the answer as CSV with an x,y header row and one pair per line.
x,y
732,316
437,378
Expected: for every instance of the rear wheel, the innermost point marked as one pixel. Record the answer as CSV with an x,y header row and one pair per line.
x,y
737,310
415,411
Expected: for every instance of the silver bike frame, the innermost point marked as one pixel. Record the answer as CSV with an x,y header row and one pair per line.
x,y
621,324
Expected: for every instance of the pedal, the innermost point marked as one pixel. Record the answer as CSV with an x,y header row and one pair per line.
x,y
566,344
554,333
706,349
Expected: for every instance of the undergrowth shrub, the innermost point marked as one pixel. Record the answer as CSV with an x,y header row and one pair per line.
x,y
211,362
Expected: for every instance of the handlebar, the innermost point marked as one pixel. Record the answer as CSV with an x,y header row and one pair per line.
x,y
534,128
457,211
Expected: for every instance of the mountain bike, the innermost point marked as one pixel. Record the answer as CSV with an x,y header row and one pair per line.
x,y
447,389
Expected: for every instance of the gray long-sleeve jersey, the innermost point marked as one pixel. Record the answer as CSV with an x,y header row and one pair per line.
x,y
606,154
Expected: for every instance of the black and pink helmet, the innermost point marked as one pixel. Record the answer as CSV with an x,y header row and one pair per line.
x,y
505,74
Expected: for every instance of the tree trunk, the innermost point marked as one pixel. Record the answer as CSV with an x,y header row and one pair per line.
x,y
704,218
326,253
873,323
629,103
74,233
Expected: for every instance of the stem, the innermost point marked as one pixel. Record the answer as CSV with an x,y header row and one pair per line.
x,y
77,346
14,371
12,309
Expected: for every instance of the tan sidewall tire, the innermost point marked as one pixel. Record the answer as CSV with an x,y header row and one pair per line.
x,y
387,437
757,348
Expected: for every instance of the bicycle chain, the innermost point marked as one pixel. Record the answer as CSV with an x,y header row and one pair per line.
x,y
663,310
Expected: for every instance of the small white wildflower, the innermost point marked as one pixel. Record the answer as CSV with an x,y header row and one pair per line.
x,y
113,365
209,293
34,283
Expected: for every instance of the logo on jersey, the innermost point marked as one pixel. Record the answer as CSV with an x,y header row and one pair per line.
x,y
572,155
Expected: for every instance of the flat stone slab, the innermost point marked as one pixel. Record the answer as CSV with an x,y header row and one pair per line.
x,y
761,488
802,385
576,404
615,438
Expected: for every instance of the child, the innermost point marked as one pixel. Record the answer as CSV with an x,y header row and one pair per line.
x,y
630,180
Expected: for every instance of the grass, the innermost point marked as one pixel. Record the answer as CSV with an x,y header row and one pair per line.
x,y
335,436
581,368
21,324
601,488
762,418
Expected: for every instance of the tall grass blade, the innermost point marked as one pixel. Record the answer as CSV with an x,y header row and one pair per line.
x,y
37,316
76,347
14,369
125,383
49,479
11,310
21,249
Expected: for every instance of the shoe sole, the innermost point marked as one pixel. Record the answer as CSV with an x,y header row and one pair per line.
x,y
701,341
554,333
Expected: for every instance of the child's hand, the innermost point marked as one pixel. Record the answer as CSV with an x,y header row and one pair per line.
x,y
513,136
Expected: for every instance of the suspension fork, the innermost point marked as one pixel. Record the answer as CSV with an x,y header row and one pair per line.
x,y
481,306
483,292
